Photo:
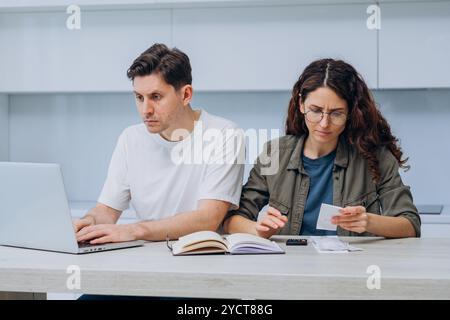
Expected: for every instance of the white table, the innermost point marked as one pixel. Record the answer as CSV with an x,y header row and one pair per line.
x,y
410,269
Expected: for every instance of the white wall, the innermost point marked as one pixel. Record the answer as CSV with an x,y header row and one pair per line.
x,y
77,130
247,57
420,119
80,131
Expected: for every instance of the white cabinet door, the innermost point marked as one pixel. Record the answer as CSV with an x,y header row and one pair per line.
x,y
266,48
4,128
40,54
415,45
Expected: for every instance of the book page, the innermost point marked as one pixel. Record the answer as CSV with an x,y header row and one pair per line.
x,y
204,247
241,243
200,239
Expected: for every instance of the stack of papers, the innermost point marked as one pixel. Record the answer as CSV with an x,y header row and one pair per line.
x,y
332,244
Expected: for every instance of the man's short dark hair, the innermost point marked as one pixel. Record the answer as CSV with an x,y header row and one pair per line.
x,y
172,64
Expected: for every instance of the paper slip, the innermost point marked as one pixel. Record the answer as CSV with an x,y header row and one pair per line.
x,y
326,213
332,244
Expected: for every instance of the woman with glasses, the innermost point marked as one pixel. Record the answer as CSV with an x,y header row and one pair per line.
x,y
339,150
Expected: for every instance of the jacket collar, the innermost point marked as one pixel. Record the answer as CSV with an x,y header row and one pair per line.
x,y
296,162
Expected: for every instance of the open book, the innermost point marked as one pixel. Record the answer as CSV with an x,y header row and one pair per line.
x,y
205,242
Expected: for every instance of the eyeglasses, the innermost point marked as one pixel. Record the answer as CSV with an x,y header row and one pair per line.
x,y
316,115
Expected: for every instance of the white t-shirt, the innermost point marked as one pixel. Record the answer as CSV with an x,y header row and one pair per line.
x,y
146,171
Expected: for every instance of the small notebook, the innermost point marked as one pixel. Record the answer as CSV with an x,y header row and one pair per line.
x,y
209,242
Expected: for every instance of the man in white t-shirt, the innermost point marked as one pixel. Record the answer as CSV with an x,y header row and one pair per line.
x,y
180,169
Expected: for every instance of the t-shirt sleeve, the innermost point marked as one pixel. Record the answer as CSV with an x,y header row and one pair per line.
x,y
224,167
116,190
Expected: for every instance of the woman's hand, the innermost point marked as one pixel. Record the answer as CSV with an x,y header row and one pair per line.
x,y
354,219
271,223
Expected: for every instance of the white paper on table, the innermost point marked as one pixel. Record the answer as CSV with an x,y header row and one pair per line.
x,y
332,244
326,213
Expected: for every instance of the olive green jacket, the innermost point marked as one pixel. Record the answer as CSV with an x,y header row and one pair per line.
x,y
287,189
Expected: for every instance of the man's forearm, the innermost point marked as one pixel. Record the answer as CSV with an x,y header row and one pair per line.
x,y
176,226
101,215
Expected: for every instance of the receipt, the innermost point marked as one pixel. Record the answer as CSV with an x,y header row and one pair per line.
x,y
326,213
332,244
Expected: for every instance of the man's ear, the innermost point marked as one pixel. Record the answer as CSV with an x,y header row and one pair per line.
x,y
186,94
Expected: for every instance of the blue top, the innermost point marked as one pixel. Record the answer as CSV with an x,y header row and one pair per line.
x,y
320,172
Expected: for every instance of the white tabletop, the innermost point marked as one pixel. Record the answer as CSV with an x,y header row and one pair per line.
x,y
410,269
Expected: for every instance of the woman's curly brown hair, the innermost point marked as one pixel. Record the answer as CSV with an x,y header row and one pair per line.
x,y
366,128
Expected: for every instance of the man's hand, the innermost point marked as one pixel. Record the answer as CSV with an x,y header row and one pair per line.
x,y
103,233
79,224
271,223
354,219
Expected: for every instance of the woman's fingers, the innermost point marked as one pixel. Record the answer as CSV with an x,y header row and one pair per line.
x,y
354,224
273,222
260,227
357,227
269,223
352,210
277,220
342,219
274,212
350,214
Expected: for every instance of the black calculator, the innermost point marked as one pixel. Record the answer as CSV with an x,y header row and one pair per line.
x,y
297,242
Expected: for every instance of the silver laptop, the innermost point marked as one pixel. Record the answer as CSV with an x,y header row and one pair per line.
x,y
34,211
